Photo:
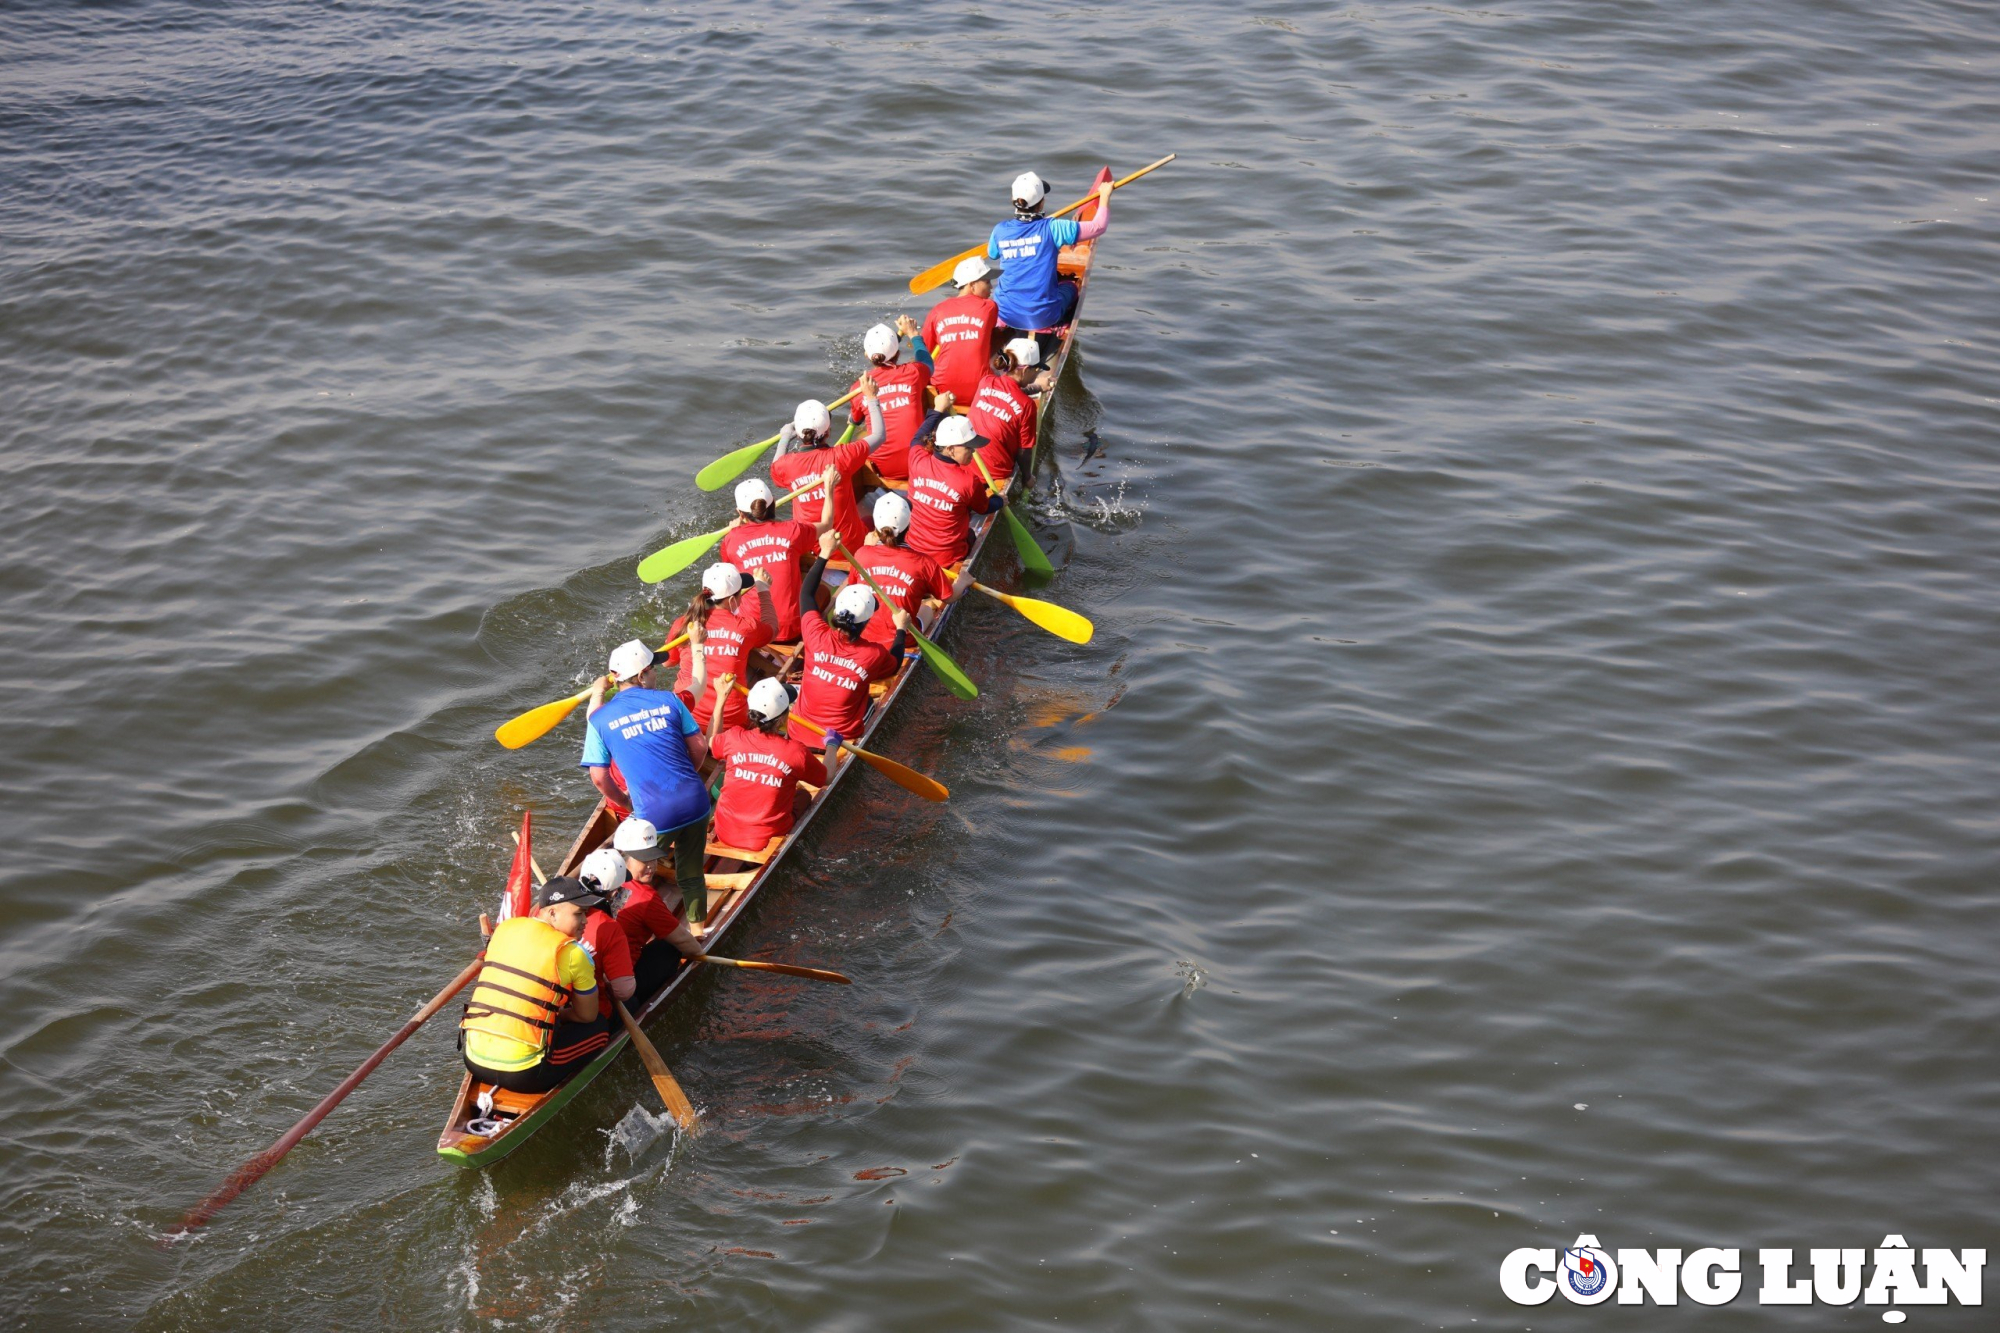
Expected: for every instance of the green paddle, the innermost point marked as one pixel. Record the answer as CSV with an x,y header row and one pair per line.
x,y
671,560
935,658
733,465
1032,558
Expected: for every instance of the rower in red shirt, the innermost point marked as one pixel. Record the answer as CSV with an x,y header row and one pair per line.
x,y
603,874
958,331
762,769
654,935
946,490
907,576
1002,412
725,627
839,664
903,390
761,543
806,449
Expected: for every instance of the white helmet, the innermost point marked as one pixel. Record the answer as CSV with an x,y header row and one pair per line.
x,y
1024,351
892,511
1030,189
881,343
812,418
723,579
629,659
954,431
972,270
853,605
603,870
750,492
638,839
769,699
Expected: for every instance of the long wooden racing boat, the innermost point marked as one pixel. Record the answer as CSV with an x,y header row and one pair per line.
x,y
487,1123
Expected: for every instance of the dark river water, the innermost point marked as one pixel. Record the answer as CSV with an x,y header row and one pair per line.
x,y
1534,474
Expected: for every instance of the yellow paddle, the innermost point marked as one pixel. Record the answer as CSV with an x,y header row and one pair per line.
x,y
1032,557
734,464
948,671
677,1104
903,776
670,1092
671,560
1057,620
539,722
940,273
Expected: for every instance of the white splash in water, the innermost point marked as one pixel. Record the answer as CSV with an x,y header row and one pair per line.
x,y
1192,978
636,1132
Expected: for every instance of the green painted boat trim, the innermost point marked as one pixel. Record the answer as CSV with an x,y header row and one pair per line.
x,y
525,1128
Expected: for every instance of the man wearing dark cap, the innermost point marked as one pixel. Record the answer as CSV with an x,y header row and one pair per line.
x,y
533,1018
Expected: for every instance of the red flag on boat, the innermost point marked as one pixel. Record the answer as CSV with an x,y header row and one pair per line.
x,y
519,900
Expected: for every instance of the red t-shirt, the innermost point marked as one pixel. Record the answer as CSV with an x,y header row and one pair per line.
x,y
943,498
1004,414
833,692
908,577
899,392
609,950
785,548
764,773
959,332
729,639
644,917
797,469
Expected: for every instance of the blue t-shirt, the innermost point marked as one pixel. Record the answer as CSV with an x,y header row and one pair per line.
x,y
1027,294
642,730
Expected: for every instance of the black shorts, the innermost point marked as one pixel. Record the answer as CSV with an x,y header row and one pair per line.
x,y
572,1046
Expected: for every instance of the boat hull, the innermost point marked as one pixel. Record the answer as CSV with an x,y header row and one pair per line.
x,y
461,1147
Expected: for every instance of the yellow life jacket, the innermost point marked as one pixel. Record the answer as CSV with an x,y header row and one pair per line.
x,y
518,995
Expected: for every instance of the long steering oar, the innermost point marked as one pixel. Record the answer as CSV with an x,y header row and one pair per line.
x,y
677,1103
734,464
539,722
901,774
940,273
671,560
1057,620
788,969
1032,556
253,1170
935,657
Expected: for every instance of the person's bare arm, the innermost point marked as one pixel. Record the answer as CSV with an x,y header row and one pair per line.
x,y
600,778
723,685
584,1007
624,987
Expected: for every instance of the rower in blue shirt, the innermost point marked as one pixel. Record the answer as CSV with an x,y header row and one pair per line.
x,y
1032,295
653,739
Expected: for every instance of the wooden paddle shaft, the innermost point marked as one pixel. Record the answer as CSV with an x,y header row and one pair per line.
x,y
787,969
251,1171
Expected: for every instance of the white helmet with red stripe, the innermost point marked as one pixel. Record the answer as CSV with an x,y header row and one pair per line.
x,y
603,870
